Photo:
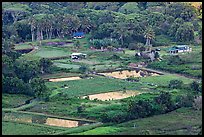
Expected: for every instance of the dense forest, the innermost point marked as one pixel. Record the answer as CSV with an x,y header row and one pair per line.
x,y
102,68
115,24
126,22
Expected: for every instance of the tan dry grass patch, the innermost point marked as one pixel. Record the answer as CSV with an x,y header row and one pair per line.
x,y
113,95
64,79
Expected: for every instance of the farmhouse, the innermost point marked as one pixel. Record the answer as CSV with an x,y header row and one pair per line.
x,y
179,49
78,35
78,56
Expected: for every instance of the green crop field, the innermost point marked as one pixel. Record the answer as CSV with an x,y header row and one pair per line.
x,y
92,86
163,80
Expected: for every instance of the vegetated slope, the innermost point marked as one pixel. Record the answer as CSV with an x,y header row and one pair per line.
x,y
184,121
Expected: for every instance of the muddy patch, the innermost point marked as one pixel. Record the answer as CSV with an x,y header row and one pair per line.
x,y
126,74
64,79
113,95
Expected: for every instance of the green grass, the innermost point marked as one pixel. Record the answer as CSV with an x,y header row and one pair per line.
x,y
23,46
183,121
163,80
100,131
59,75
191,63
13,100
67,66
92,86
50,52
175,122
16,128
79,129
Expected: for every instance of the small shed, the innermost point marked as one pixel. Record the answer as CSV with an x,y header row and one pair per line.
x,y
78,56
78,35
179,49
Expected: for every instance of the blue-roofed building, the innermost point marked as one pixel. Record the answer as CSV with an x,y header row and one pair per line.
x,y
78,35
180,48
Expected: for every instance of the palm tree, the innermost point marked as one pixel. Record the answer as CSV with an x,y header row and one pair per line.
x,y
32,23
122,31
149,35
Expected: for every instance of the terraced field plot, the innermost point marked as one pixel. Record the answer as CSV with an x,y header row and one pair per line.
x,y
68,66
23,46
112,95
125,74
25,118
64,79
51,52
92,86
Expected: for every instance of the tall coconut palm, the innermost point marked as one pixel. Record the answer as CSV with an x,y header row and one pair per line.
x,y
32,23
121,31
149,35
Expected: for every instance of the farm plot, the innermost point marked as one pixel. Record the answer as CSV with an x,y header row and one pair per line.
x,y
45,120
23,46
64,79
112,95
163,80
125,74
52,52
91,86
67,66
60,75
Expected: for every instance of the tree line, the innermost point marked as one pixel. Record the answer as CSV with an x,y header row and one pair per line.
x,y
125,22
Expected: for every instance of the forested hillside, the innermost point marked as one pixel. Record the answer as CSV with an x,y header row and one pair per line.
x,y
126,22
102,68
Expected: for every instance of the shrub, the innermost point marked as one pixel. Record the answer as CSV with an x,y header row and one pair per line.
x,y
185,100
83,69
80,109
175,60
195,86
175,84
134,79
197,104
140,109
